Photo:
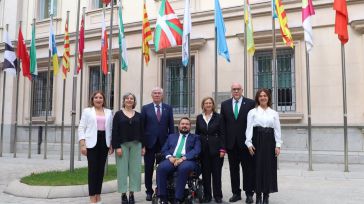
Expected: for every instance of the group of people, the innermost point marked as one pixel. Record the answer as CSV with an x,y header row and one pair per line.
x,y
247,130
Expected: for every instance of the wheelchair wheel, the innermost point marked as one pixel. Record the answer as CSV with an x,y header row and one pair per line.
x,y
200,192
155,200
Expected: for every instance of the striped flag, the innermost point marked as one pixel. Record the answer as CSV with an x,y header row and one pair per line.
x,y
168,30
307,12
122,42
341,20
104,46
186,31
23,55
249,28
147,34
283,23
10,60
33,54
53,49
81,45
222,47
66,51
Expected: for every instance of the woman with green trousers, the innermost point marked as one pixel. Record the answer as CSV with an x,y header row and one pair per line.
x,y
128,142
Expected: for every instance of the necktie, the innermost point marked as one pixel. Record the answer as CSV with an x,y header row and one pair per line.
x,y
236,110
158,112
180,147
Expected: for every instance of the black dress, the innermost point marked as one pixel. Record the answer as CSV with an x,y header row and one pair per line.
x,y
211,144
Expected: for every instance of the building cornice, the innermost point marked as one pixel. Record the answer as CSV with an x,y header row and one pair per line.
x,y
358,25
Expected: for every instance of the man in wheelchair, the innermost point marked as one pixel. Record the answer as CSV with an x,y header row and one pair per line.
x,y
180,152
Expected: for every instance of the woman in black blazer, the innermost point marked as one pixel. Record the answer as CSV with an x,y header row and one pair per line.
x,y
208,126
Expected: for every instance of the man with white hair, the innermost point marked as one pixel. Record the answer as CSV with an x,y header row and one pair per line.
x,y
158,124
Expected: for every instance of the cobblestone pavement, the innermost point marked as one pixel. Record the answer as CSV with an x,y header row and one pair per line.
x,y
327,184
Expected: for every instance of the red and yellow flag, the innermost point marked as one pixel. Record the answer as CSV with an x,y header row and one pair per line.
x,y
283,23
66,51
81,45
147,35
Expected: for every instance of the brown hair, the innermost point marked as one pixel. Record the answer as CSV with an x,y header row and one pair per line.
x,y
266,91
125,96
184,118
213,103
93,96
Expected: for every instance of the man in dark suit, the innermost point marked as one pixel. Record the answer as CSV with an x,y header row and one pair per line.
x,y
234,113
158,124
180,151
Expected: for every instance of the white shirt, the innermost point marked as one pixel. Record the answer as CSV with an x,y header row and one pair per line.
x,y
263,118
156,109
183,152
207,120
239,103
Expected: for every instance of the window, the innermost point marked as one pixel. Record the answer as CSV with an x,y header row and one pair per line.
x,y
96,4
39,95
176,87
286,77
95,83
45,8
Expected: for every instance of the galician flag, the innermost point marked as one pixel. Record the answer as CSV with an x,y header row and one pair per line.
x,y
53,49
168,31
33,55
283,23
122,41
186,31
104,46
307,12
249,28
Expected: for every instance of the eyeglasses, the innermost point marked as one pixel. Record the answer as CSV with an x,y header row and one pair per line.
x,y
236,89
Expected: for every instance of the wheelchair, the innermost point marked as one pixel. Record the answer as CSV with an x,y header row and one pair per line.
x,y
194,191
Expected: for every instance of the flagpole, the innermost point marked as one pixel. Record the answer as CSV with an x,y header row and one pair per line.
x,y
216,77
3,108
245,54
74,94
164,59
274,67
16,107
63,101
309,126
30,117
81,88
141,77
100,79
344,108
108,89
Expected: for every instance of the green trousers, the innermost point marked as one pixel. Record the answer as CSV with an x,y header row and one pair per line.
x,y
129,165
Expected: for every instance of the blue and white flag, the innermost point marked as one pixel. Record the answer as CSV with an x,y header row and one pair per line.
x,y
220,32
10,60
186,30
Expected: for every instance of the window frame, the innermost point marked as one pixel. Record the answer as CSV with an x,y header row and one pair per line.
x,y
42,108
42,14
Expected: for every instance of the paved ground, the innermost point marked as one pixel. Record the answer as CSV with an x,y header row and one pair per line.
x,y
327,184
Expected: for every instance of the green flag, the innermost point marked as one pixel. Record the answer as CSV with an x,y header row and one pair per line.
x,y
33,54
122,42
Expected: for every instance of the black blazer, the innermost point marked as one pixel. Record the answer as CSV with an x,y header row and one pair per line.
x,y
212,139
234,130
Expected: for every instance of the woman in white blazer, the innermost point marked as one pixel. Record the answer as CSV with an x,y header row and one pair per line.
x,y
94,135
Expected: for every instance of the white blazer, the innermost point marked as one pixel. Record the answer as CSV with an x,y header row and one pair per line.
x,y
87,129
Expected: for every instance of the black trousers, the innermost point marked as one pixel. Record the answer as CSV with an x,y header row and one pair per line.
x,y
96,158
149,161
238,156
211,166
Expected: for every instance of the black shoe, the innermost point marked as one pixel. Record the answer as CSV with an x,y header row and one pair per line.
x,y
206,199
131,199
235,198
258,199
124,199
149,197
218,200
249,199
266,199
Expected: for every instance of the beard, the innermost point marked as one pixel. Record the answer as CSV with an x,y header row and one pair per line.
x,y
184,131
